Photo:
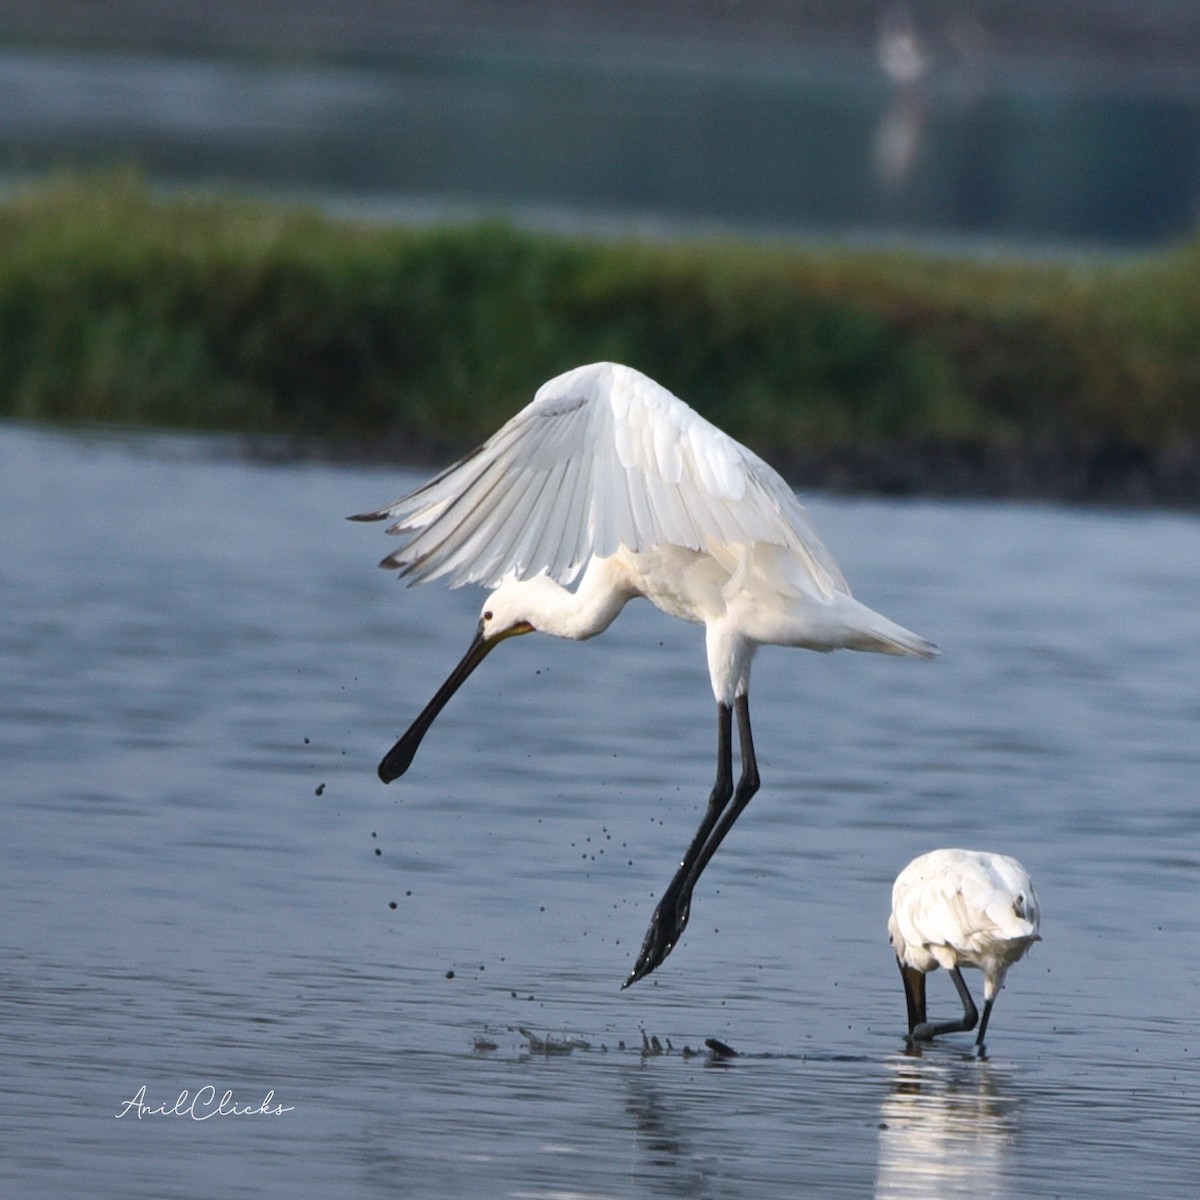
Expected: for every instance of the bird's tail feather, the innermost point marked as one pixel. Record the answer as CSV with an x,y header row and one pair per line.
x,y
882,636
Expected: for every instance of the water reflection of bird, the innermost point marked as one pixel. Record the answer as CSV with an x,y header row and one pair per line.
x,y
954,54
902,56
608,476
900,50
960,908
946,1130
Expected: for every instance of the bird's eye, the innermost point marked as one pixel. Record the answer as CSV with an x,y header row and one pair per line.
x,y
487,616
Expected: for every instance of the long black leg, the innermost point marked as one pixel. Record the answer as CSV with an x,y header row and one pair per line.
x,y
924,1031
725,805
746,787
914,995
987,1013
664,924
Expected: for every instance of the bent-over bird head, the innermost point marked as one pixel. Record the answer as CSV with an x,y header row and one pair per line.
x,y
506,612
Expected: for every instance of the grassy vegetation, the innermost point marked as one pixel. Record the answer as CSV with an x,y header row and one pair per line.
x,y
216,313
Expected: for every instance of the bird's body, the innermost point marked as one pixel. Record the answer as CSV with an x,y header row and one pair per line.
x,y
609,483
744,599
960,908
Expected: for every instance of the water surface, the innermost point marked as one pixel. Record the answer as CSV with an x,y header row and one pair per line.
x,y
203,882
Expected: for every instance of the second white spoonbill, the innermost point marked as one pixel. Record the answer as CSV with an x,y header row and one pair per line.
x,y
960,908
608,482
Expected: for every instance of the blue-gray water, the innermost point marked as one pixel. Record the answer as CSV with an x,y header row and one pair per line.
x,y
659,137
199,669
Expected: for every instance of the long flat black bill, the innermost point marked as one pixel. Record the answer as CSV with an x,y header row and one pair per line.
x,y
397,760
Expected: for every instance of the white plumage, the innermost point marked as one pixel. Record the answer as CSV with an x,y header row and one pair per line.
x,y
960,908
603,459
607,487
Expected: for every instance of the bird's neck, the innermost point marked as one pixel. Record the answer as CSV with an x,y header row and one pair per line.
x,y
590,609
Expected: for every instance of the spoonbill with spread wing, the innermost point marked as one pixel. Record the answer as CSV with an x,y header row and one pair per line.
x,y
960,908
609,482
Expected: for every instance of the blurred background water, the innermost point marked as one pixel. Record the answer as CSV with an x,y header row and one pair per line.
x,y
1047,122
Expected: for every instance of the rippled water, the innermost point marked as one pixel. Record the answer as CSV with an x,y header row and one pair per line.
x,y
199,669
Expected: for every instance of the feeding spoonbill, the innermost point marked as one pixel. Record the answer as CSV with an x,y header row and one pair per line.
x,y
609,480
960,908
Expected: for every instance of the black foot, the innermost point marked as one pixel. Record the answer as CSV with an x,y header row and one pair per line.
x,y
926,1031
666,928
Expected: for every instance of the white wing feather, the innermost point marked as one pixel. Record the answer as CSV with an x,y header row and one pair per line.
x,y
962,898
603,458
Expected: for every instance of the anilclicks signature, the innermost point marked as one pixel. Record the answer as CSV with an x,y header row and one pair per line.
x,y
201,1105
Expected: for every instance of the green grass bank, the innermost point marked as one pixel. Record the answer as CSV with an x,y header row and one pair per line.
x,y
885,369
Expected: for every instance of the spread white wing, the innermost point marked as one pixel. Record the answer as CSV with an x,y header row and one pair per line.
x,y
602,458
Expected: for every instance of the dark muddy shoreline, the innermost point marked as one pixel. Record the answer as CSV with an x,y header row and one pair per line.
x,y
1106,473
1109,474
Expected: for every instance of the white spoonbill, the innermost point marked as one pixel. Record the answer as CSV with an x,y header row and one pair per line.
x,y
609,482
960,908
